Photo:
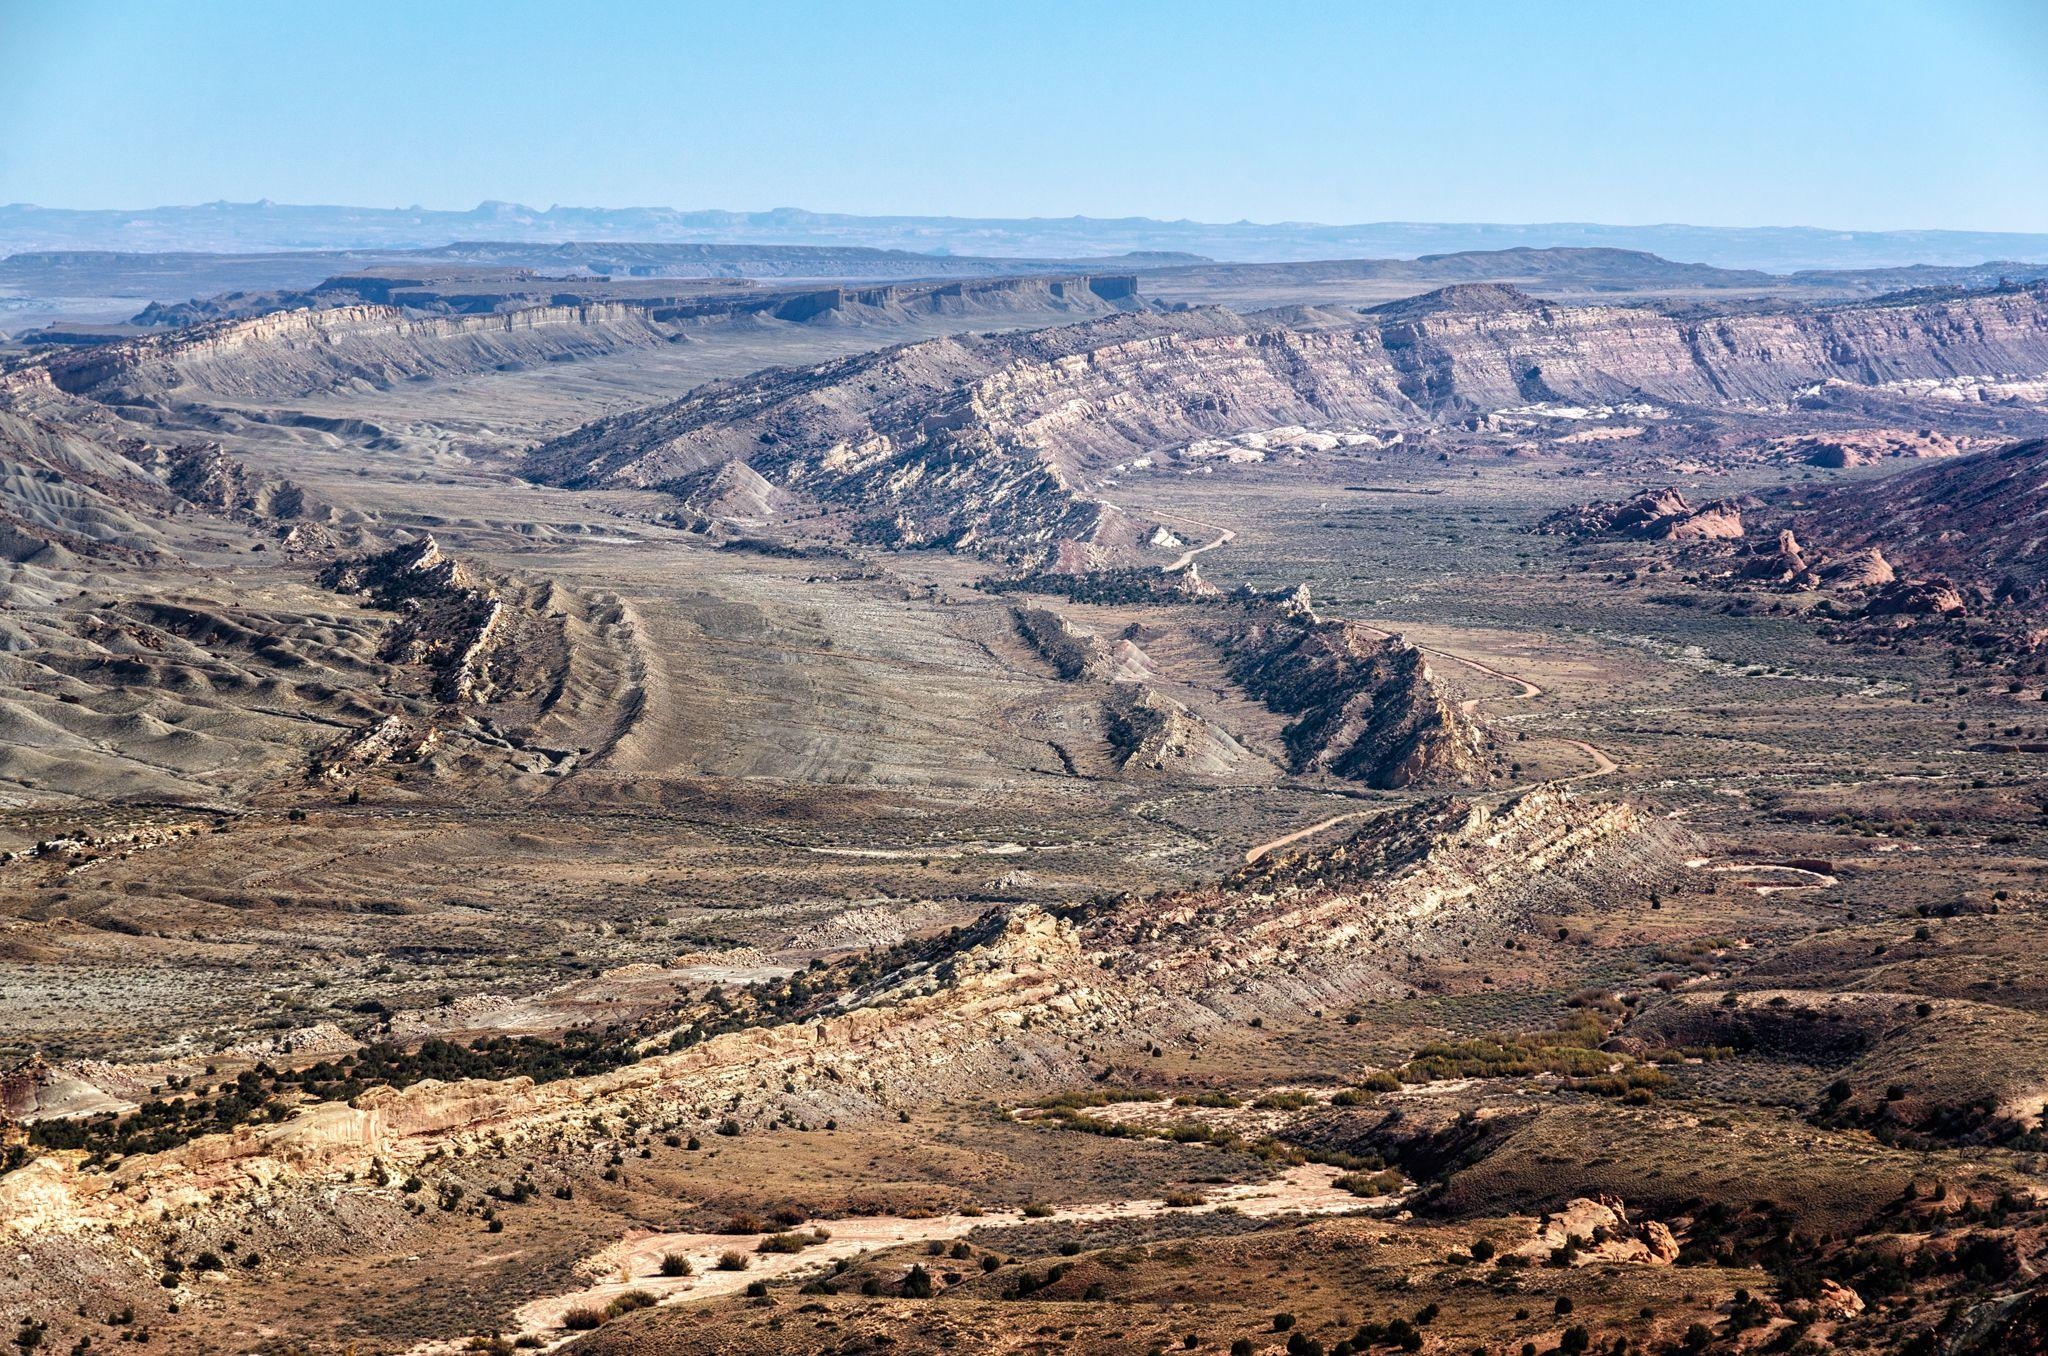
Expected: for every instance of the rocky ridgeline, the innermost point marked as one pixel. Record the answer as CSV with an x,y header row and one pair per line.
x,y
1971,519
1025,999
306,343
1370,914
1367,707
1153,733
1653,515
204,475
450,620
1147,731
987,442
1951,544
491,641
733,495
1076,654
304,352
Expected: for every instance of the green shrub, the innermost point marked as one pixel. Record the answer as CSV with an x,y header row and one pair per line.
x,y
1282,1101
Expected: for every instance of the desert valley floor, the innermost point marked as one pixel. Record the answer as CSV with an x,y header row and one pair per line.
x,y
1499,812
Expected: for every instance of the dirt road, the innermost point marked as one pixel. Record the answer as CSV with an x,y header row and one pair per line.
x,y
1602,764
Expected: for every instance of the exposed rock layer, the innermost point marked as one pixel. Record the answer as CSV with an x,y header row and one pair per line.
x,y
1366,704
974,440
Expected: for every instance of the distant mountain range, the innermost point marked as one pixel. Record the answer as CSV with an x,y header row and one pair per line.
x,y
263,226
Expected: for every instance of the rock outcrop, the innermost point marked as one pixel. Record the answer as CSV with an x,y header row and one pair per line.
x,y
1153,733
1077,654
484,640
1783,563
205,475
1973,520
395,738
734,493
1653,515
1366,705
1594,1233
1935,597
1865,569
1365,915
1862,447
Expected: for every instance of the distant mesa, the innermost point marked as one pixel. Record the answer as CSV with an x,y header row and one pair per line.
x,y
991,443
1459,299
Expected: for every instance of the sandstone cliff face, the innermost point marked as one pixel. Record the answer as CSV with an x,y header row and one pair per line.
x,y
972,439
303,352
1653,515
1367,706
299,344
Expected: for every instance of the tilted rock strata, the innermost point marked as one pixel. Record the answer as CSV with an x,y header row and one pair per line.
x,y
1973,519
1653,515
1367,706
979,440
1151,732
309,351
481,644
1359,917
1019,997
1077,654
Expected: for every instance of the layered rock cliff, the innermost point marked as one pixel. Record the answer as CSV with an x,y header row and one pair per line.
x,y
305,343
968,439
308,351
1366,705
1027,998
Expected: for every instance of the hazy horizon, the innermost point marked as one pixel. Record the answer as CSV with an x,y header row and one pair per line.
x,y
1919,116
790,208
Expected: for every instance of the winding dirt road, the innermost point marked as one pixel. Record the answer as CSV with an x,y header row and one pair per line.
x,y
1225,535
1602,764
1253,854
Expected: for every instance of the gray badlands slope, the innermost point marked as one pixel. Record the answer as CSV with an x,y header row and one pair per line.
x,y
987,440
167,634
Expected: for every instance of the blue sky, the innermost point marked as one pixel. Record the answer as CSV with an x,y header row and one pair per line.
x,y
1870,115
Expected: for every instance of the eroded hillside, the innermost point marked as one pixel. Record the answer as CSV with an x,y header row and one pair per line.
x,y
640,828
